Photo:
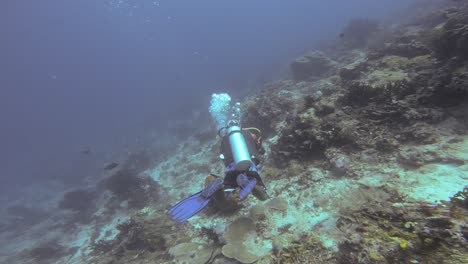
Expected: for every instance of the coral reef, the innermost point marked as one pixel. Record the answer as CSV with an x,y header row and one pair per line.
x,y
311,64
139,235
450,37
127,185
306,250
365,162
402,233
354,145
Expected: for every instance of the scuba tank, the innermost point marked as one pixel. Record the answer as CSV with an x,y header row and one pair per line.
x,y
240,151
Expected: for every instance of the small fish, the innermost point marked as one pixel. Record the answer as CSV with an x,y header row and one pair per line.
x,y
86,151
341,35
111,166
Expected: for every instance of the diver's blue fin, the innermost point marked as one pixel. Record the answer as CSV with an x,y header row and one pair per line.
x,y
188,207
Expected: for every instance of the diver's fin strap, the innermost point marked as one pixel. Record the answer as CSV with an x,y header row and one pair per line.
x,y
212,187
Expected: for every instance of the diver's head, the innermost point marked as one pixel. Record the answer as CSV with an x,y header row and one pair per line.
x,y
232,123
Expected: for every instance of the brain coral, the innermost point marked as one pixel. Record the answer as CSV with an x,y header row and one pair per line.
x,y
235,235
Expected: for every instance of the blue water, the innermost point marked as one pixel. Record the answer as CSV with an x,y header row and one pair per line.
x,y
93,74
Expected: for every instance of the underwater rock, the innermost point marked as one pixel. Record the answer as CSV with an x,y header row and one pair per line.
x,y
386,144
445,84
298,142
337,161
138,234
420,133
360,93
127,185
411,49
308,117
272,106
418,156
448,84
432,115
353,71
79,200
325,106
454,153
308,249
311,64
451,37
305,140
434,230
280,243
439,222
432,234
409,65
387,92
460,200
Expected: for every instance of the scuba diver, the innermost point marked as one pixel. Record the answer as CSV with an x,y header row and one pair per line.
x,y
240,151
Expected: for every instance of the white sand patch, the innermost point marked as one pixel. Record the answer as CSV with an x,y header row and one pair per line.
x,y
434,182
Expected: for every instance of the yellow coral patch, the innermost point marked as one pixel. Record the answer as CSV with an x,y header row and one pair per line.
x,y
403,243
395,62
383,77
